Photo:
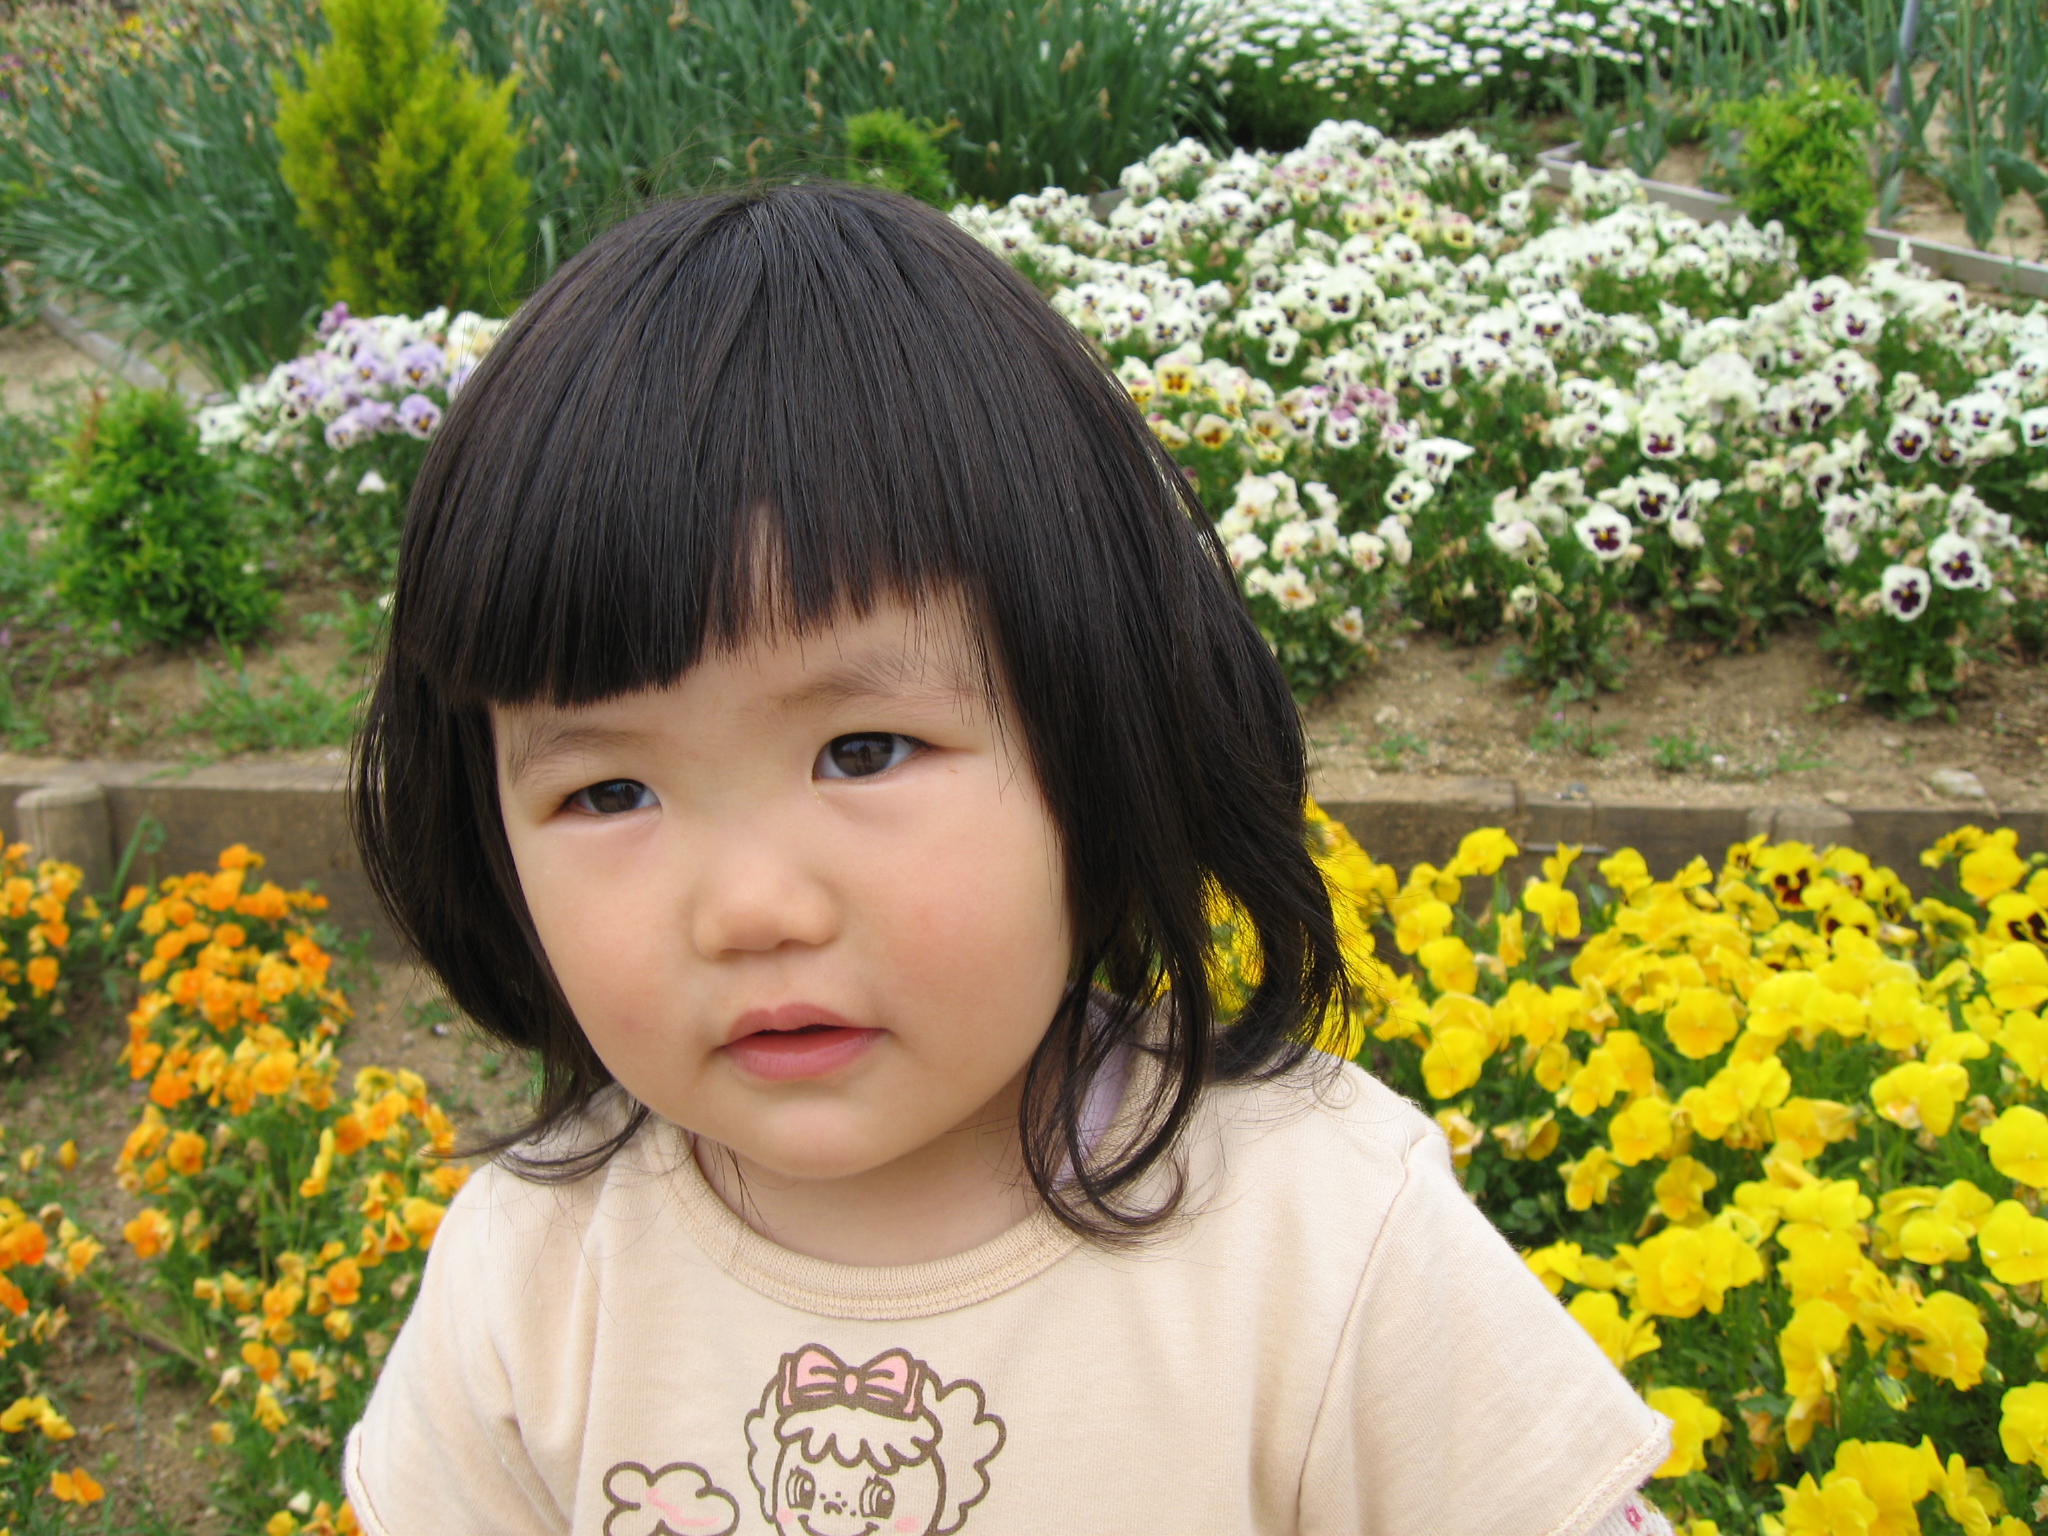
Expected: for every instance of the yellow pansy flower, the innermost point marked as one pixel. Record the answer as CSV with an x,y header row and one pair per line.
x,y
1641,1131
1621,1339
2023,1424
1920,1096
1894,1477
1681,1190
2018,1142
2024,1038
1588,1180
2017,977
1700,1022
1694,1421
1952,1340
1554,906
2014,1243
1482,852
1993,866
1839,1507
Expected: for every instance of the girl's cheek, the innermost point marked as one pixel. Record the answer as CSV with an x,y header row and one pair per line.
x,y
909,1525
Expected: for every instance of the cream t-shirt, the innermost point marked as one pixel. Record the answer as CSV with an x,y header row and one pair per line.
x,y
1333,1340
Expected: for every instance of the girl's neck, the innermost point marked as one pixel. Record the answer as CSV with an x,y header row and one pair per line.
x,y
950,1195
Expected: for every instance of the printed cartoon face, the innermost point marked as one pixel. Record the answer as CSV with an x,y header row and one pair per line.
x,y
881,1449
823,1498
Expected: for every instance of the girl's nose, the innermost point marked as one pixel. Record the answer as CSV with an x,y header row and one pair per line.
x,y
753,896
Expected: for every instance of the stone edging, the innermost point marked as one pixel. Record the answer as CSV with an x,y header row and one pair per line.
x,y
295,817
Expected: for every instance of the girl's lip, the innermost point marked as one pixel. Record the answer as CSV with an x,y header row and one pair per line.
x,y
795,1041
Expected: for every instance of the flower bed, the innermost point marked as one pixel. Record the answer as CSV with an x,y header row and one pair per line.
x,y
1366,348
347,423
1414,63
1774,1133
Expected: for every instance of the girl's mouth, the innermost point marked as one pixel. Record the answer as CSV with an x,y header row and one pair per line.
x,y
794,1042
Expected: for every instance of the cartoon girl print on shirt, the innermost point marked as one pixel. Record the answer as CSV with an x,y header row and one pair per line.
x,y
881,1449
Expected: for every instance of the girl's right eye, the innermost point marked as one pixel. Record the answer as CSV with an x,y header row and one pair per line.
x,y
613,797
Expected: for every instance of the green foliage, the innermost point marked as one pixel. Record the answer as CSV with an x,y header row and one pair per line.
x,y
146,136
885,147
636,102
1683,752
291,712
147,536
1803,162
402,163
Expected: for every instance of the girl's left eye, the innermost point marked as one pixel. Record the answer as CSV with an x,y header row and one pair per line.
x,y
613,797
865,754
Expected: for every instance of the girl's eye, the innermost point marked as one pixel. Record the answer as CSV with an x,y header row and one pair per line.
x,y
864,755
613,797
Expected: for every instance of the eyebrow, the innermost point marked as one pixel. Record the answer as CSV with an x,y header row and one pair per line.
x,y
551,739
881,674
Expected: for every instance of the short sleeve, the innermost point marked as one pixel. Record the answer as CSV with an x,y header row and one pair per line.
x,y
438,1450
1464,1400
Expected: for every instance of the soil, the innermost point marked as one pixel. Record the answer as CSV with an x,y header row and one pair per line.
x,y
38,368
1749,729
141,1413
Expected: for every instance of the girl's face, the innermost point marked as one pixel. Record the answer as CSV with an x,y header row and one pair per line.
x,y
807,902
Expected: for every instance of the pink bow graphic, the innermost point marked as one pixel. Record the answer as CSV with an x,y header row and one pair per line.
x,y
814,1377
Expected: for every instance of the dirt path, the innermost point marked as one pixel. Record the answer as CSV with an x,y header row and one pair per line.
x,y
1746,729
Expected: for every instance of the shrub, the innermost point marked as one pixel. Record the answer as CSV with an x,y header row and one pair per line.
x,y
1774,1133
147,537
885,147
402,163
1804,162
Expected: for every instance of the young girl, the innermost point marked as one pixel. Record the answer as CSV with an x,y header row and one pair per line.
x,y
817,720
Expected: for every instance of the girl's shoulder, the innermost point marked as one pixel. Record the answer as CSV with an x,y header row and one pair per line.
x,y
1326,1147
1327,1111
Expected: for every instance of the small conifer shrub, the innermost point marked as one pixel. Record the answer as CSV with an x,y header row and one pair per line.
x,y
888,149
146,527
401,160
1803,162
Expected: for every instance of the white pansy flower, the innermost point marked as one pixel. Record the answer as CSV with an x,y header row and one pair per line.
x,y
1903,591
1958,564
1606,532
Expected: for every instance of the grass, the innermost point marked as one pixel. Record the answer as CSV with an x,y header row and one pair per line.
x,y
290,713
1389,751
359,622
1556,732
1684,753
148,139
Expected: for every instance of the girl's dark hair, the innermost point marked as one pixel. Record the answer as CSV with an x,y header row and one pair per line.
x,y
901,415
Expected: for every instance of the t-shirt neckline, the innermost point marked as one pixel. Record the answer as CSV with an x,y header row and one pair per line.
x,y
869,1293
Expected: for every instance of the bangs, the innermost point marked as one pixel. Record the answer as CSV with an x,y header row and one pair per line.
x,y
753,413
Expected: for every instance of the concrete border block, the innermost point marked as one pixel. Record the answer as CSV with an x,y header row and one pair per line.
x,y
294,816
